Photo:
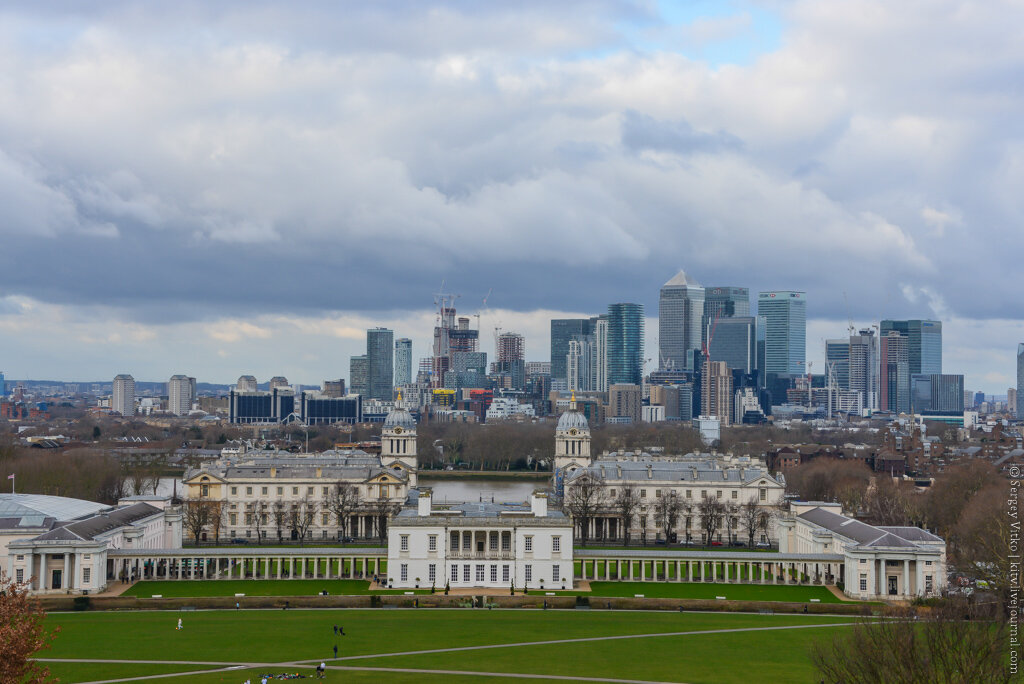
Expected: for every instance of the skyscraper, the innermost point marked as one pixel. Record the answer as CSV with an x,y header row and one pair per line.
x,y
380,350
403,361
359,375
1020,380
785,314
123,399
723,302
3,386
625,344
511,350
680,313
181,392
600,363
735,343
716,391
894,390
837,357
563,330
864,367
924,343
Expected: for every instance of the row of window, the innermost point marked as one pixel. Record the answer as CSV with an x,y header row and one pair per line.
x,y
382,491
479,572
506,542
762,493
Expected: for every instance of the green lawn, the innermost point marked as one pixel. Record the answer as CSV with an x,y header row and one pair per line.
x,y
698,590
87,672
298,587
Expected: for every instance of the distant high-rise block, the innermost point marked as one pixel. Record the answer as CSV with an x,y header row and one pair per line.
x,y
380,350
723,302
735,343
894,389
359,375
278,381
123,398
247,383
680,314
625,401
3,386
924,343
334,389
403,361
625,344
785,314
181,393
716,397
562,331
511,346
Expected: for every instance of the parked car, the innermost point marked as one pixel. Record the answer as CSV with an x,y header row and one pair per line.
x,y
660,542
239,540
716,543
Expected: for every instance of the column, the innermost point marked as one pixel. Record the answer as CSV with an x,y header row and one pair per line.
x,y
180,564
280,562
643,570
775,575
266,568
906,577
66,575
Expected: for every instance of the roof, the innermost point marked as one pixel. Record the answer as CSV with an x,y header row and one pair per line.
x,y
400,417
868,535
681,280
513,512
33,509
691,470
572,419
95,525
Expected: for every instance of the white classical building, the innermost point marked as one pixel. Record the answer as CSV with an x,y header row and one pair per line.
x,y
879,562
70,555
483,545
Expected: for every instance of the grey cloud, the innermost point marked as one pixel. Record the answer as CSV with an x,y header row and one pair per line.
x,y
641,132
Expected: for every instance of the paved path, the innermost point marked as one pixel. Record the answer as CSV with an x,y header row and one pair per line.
x,y
220,666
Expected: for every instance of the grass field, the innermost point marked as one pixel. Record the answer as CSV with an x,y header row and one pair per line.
x,y
626,645
697,590
298,587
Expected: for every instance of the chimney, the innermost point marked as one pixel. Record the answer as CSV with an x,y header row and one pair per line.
x,y
273,472
424,502
319,471
539,504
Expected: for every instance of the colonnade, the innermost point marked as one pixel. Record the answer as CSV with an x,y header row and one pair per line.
x,y
241,566
720,568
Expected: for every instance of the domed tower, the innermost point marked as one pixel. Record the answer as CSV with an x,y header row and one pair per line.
x,y
398,441
572,440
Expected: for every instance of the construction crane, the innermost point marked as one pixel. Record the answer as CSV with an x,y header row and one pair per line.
x,y
482,309
849,318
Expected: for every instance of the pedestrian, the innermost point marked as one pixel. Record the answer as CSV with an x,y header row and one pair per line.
x,y
341,630
264,680
236,605
335,651
335,630
323,669
179,624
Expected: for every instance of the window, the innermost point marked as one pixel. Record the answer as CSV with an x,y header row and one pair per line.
x,y
467,541
280,491
528,573
295,491
863,582
611,492
233,518
689,493
21,558
432,543
506,541
404,540
263,491
763,494
554,574
528,544
735,494
657,493
432,573
863,561
309,491
455,541
248,534
718,494
206,490
494,574
325,519
504,573
248,491
87,575
455,573
234,490
405,572
19,575
479,573
556,544
643,493
324,491
492,539
927,562
703,494
465,572
928,583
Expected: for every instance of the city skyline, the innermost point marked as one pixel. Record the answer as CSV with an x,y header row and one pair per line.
x,y
562,164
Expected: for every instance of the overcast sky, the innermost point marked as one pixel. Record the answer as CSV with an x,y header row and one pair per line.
x,y
227,188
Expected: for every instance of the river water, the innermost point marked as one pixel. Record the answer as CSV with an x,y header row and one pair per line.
x,y
445,490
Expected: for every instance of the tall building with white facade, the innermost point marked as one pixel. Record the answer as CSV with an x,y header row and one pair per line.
x,y
680,316
181,393
403,361
123,399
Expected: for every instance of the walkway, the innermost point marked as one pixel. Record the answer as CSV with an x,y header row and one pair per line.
x,y
228,666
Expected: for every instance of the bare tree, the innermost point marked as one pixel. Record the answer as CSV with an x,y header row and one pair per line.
x,y
955,642
627,500
766,520
196,516
23,632
666,512
888,504
257,518
750,519
712,513
383,509
217,515
343,502
301,517
584,496
982,537
279,514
